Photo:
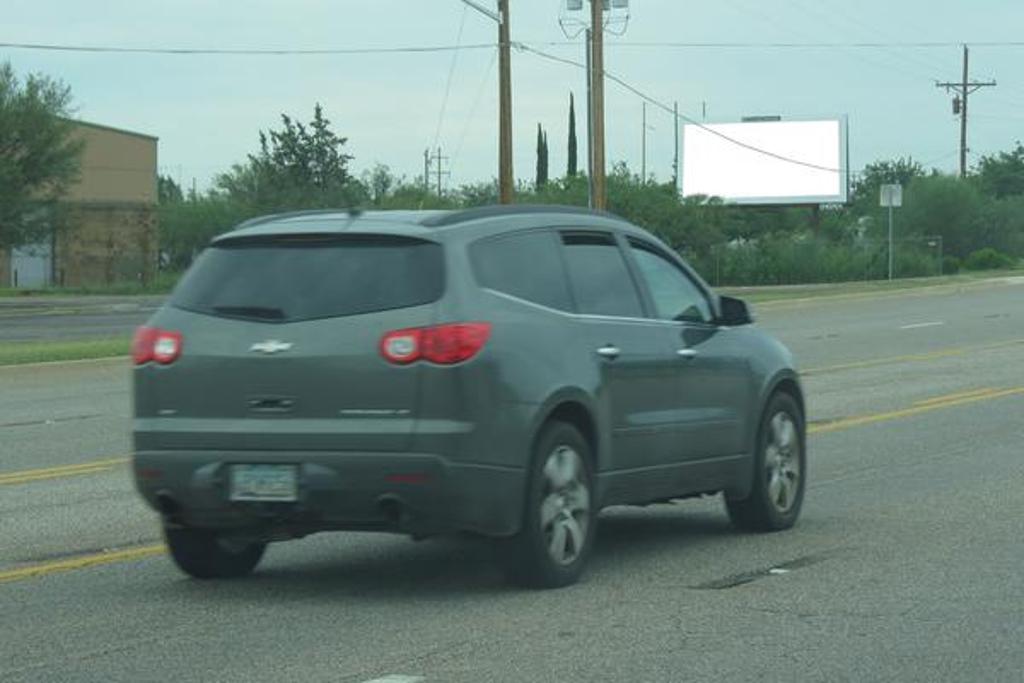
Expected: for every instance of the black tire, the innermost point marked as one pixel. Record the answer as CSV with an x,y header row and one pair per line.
x,y
205,554
775,506
530,555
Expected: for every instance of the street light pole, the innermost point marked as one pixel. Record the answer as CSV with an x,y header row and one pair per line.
x,y
597,87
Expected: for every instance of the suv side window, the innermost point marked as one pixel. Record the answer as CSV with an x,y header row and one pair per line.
x,y
599,277
675,295
526,265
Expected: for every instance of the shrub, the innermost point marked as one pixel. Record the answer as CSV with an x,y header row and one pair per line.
x,y
950,265
988,259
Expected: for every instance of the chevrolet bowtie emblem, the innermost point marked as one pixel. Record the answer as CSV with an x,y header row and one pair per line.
x,y
271,346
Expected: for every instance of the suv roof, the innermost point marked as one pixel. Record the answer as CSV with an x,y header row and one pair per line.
x,y
336,220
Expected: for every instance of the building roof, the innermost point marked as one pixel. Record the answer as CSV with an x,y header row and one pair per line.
x,y
122,131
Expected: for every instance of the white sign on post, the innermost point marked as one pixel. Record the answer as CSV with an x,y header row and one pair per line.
x,y
891,195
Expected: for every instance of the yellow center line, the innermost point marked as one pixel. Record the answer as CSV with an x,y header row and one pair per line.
x,y
82,562
116,556
961,394
912,357
24,476
918,409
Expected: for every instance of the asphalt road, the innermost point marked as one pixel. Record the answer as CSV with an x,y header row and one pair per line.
x,y
904,567
46,318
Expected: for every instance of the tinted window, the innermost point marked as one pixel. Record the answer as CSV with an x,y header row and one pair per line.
x,y
675,295
600,279
295,278
526,265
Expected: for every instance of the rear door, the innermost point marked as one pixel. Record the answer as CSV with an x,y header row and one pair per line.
x,y
281,344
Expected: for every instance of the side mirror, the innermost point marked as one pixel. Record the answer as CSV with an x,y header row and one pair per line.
x,y
735,312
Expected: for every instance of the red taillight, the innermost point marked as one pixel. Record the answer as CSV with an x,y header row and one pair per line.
x,y
154,344
441,344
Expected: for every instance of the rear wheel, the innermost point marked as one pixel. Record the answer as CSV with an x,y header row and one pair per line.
x,y
780,467
555,541
206,554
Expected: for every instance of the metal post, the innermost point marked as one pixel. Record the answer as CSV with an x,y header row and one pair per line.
x,y
891,244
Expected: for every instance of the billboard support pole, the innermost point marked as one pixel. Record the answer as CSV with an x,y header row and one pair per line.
x,y
675,127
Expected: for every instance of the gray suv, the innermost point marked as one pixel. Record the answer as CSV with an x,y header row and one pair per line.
x,y
504,371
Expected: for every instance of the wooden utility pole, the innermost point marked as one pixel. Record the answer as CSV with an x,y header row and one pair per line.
x,y
590,124
597,86
963,90
643,145
506,180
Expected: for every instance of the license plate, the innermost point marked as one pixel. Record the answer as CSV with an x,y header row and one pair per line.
x,y
274,483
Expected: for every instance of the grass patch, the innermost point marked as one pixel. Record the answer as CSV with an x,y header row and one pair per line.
x,y
162,284
19,353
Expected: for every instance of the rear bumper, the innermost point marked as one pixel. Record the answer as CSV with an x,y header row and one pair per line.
x,y
403,492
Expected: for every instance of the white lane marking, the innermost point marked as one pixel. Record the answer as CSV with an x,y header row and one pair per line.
x,y
398,678
920,325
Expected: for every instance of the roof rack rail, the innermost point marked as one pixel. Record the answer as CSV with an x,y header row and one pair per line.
x,y
465,215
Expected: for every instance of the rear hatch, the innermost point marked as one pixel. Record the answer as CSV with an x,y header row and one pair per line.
x,y
280,341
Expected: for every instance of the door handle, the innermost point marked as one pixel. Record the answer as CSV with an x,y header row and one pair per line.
x,y
687,354
609,351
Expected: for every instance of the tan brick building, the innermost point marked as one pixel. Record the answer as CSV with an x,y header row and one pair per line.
x,y
108,224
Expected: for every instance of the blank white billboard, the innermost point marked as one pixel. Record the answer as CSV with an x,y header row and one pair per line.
x,y
767,162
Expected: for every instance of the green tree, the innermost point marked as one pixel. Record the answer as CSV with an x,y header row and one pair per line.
x,y
866,188
542,158
299,166
941,205
1002,175
573,149
39,155
168,191
186,227
379,183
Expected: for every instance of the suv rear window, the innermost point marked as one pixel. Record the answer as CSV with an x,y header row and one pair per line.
x,y
295,278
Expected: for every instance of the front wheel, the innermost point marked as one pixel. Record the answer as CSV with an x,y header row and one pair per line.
x,y
206,554
555,541
780,471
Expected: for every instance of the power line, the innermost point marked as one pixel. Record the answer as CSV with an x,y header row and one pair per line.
x,y
791,45
415,49
451,74
419,49
661,105
476,105
697,45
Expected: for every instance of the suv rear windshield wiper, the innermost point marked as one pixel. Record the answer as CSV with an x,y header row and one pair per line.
x,y
261,312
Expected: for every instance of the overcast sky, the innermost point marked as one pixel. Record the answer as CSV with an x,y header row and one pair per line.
x,y
207,110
